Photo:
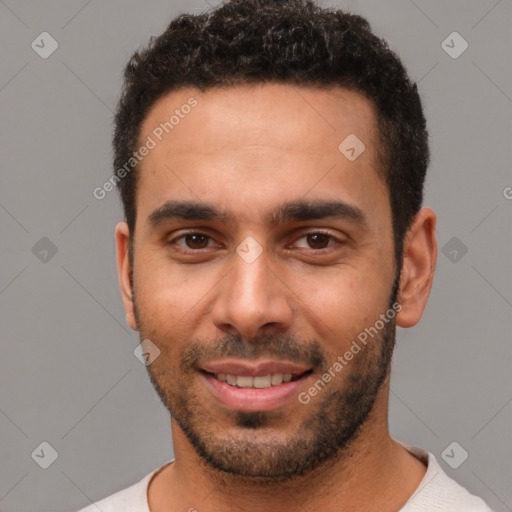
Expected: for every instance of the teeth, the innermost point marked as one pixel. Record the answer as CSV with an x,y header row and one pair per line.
x,y
242,381
263,381
277,379
231,380
260,382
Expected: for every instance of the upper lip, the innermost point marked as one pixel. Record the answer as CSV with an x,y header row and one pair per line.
x,y
253,368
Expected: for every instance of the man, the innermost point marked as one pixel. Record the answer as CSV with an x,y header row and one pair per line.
x,y
271,157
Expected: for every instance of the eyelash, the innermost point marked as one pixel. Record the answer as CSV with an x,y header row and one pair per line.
x,y
318,232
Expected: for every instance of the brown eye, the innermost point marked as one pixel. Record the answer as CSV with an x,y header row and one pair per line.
x,y
196,241
318,240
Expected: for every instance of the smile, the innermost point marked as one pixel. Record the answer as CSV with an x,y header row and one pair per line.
x,y
260,382
254,386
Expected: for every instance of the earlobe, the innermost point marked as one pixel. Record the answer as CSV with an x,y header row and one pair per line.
x,y
418,266
124,271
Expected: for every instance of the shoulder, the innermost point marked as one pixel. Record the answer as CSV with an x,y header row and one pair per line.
x,y
131,499
439,492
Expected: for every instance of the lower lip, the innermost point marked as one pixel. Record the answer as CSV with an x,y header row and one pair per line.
x,y
252,399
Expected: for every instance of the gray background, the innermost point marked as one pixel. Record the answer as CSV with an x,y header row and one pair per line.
x,y
68,373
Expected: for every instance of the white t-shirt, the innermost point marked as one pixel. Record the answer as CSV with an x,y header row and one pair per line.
x,y
437,492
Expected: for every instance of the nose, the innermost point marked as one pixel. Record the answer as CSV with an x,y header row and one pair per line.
x,y
252,300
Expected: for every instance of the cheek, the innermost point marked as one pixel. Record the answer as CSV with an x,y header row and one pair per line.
x,y
163,290
173,302
341,304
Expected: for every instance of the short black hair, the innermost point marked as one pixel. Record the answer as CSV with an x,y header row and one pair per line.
x,y
294,42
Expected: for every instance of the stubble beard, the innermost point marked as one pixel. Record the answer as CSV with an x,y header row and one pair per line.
x,y
252,448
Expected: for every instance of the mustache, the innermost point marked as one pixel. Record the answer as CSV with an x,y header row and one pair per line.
x,y
264,346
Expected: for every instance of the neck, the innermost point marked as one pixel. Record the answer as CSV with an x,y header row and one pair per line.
x,y
374,473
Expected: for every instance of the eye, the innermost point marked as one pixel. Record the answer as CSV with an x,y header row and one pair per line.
x,y
192,241
317,241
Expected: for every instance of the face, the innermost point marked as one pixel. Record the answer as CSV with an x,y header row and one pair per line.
x,y
261,254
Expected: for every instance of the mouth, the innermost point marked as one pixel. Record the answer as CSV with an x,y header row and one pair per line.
x,y
259,382
248,386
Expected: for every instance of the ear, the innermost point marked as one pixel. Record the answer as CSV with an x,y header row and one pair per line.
x,y
418,266
124,272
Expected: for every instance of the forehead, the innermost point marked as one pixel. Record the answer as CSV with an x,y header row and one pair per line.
x,y
261,113
257,143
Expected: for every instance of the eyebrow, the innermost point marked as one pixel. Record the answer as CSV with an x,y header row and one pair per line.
x,y
299,210
186,210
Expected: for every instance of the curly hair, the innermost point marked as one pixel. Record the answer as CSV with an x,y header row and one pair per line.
x,y
291,42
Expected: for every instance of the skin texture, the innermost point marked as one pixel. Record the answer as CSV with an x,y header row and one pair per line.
x,y
248,150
